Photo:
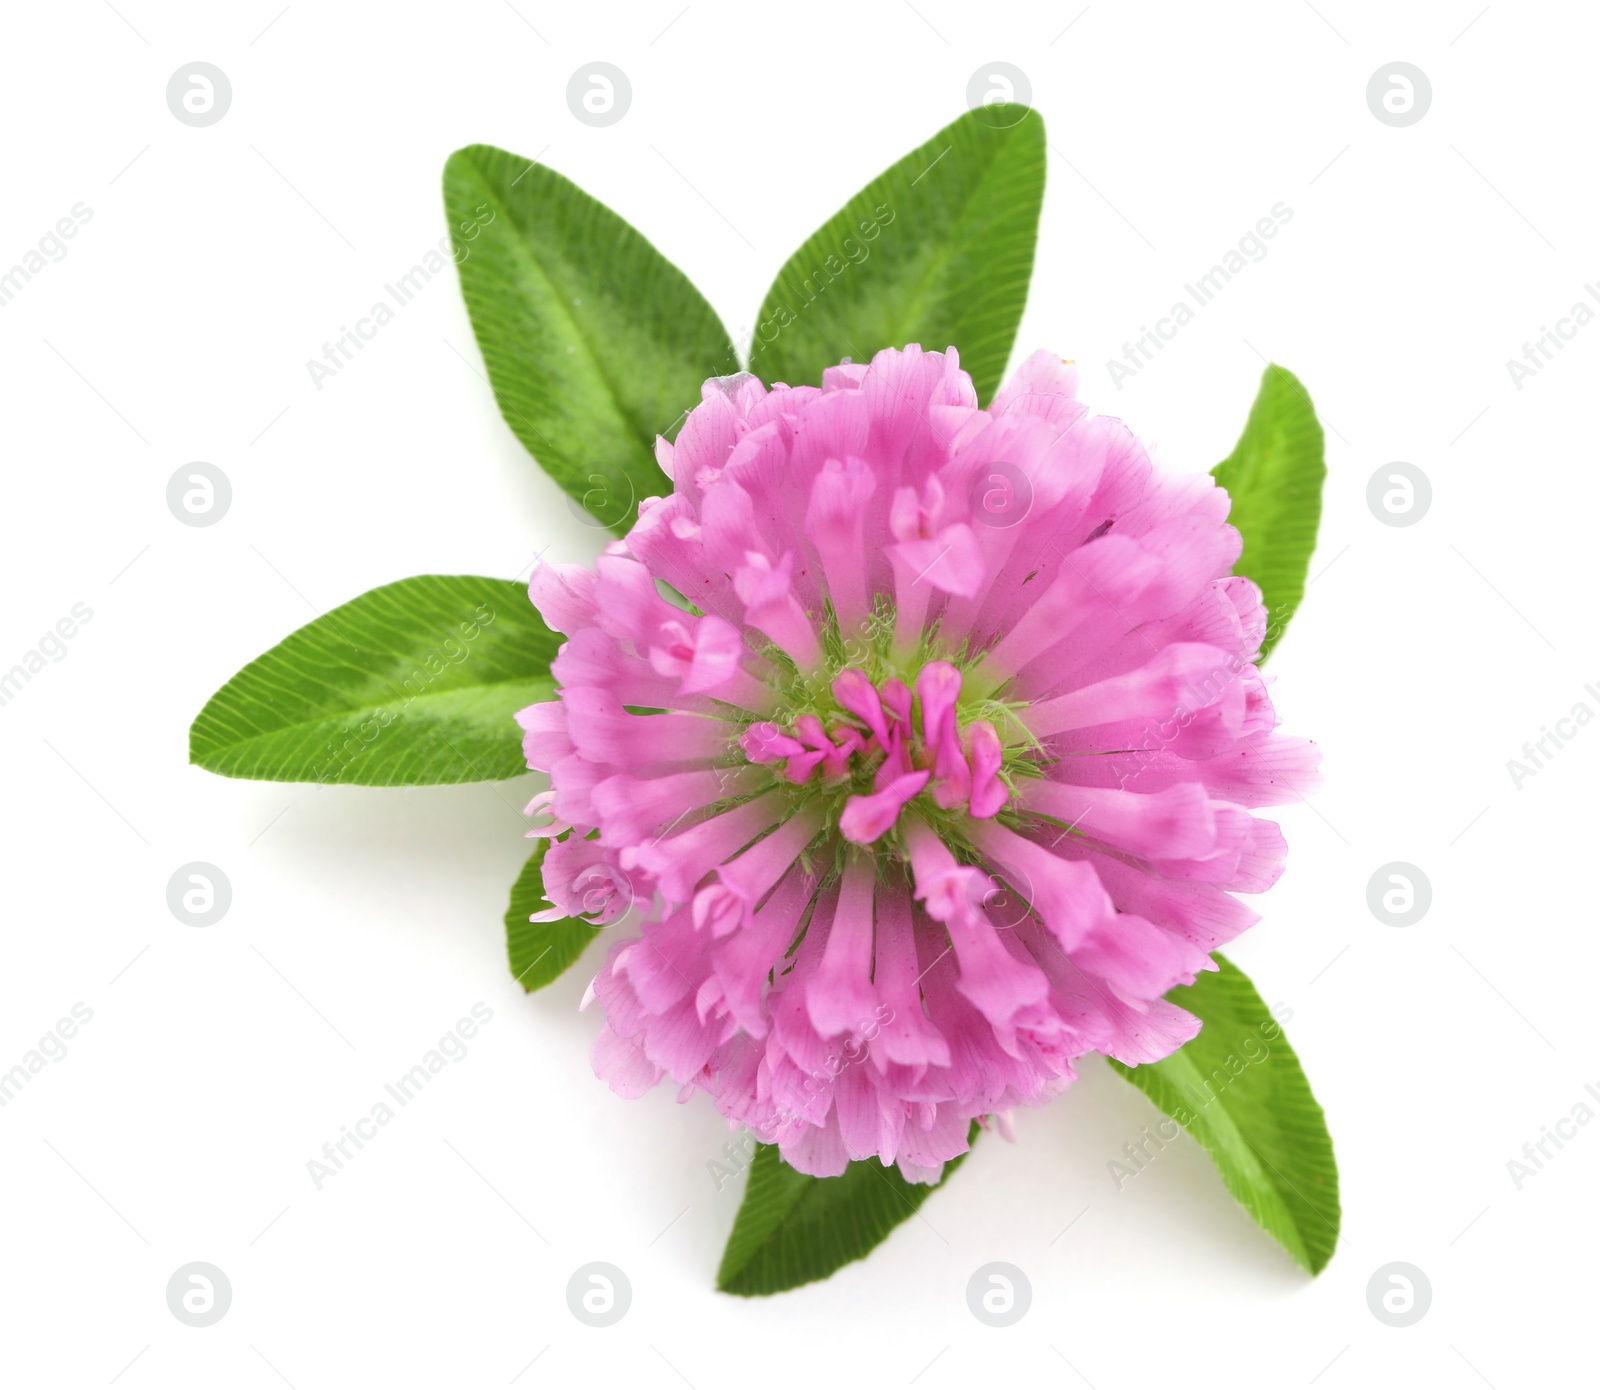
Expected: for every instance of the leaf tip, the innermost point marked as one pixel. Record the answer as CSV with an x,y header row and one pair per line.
x,y
1009,116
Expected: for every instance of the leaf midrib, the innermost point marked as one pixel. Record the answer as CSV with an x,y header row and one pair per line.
x,y
728,1279
942,258
253,741
523,251
937,262
1225,1127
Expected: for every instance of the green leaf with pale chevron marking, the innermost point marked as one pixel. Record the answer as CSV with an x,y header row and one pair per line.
x,y
1274,476
937,250
413,683
1238,1088
595,343
793,1228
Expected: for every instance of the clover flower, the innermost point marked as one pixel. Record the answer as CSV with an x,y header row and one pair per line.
x,y
921,739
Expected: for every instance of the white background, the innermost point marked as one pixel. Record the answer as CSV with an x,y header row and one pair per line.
x,y
365,922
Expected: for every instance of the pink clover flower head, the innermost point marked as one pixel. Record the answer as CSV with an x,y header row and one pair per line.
x,y
922,740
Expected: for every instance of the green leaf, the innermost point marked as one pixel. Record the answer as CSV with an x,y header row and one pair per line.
x,y
595,343
1238,1088
1274,476
936,250
793,1228
540,951
415,682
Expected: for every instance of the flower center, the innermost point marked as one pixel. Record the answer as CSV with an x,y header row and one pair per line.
x,y
872,736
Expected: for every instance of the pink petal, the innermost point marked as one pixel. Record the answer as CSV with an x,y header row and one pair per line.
x,y
866,817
